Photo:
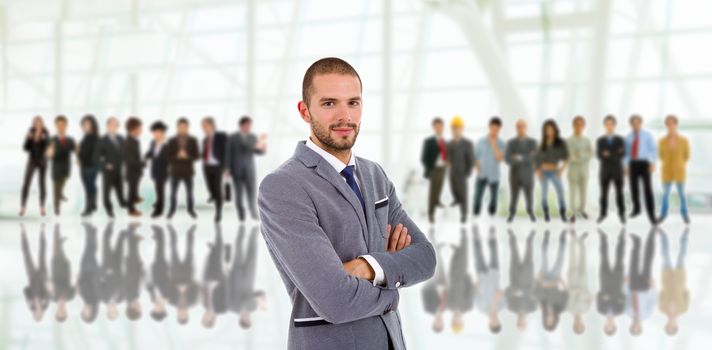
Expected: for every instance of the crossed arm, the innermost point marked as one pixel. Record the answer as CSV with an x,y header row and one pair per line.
x,y
334,288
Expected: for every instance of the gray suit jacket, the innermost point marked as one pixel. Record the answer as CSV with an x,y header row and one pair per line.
x,y
239,154
312,222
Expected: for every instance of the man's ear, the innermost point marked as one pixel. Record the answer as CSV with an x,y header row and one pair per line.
x,y
304,111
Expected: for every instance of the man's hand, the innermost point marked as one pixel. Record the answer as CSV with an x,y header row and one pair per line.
x,y
360,268
652,168
398,239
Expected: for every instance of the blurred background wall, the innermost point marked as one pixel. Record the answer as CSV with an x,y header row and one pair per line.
x,y
533,59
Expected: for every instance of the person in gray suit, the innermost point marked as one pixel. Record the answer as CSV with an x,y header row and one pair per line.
x,y
520,155
241,148
326,216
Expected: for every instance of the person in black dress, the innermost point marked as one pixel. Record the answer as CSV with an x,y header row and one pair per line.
x,y
36,142
60,150
89,168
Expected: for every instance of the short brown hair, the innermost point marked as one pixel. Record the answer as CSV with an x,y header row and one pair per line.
x,y
326,65
132,124
671,117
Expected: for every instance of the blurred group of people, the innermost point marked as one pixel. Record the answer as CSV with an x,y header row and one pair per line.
x,y
632,292
119,160
228,280
634,155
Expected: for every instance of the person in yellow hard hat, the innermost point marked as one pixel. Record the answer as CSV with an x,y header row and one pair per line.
x,y
461,160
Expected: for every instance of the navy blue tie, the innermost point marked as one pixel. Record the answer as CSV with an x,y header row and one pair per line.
x,y
348,173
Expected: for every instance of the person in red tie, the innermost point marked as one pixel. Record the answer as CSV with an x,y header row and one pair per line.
x,y
213,156
60,151
434,160
639,162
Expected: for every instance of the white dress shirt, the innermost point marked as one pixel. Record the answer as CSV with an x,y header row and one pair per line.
x,y
338,165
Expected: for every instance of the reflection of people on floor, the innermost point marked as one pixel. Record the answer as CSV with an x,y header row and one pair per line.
x,y
90,275
579,294
112,271
133,274
641,296
490,297
461,287
434,292
520,292
551,291
185,293
213,278
36,292
158,282
62,288
674,296
610,300
243,299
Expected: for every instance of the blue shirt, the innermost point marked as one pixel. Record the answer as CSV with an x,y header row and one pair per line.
x,y
647,147
484,155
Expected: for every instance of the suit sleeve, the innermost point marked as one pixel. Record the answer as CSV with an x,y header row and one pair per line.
x,y
508,154
413,264
290,226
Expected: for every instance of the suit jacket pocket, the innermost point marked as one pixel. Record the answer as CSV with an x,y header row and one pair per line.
x,y
381,206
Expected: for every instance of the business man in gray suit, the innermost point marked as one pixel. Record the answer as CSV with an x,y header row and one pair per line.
x,y
241,148
326,217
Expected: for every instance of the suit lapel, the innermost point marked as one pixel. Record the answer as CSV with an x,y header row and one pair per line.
x,y
364,176
326,171
312,160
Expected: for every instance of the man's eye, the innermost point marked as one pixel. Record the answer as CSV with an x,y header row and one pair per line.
x,y
328,104
355,103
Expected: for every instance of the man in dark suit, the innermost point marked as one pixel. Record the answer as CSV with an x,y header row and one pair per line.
x,y
60,152
182,152
434,160
610,150
241,148
134,163
109,157
214,162
159,165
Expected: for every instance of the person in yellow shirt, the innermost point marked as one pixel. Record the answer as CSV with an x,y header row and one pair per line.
x,y
674,152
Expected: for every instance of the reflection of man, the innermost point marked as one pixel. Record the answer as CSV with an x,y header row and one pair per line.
x,y
641,295
610,300
490,296
434,158
325,218
520,293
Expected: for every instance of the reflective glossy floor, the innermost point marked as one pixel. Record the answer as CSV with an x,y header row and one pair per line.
x,y
72,284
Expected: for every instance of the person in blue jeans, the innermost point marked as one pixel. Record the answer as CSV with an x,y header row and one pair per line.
x,y
552,160
674,153
489,154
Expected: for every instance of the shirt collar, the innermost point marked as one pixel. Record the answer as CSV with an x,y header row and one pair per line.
x,y
337,164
